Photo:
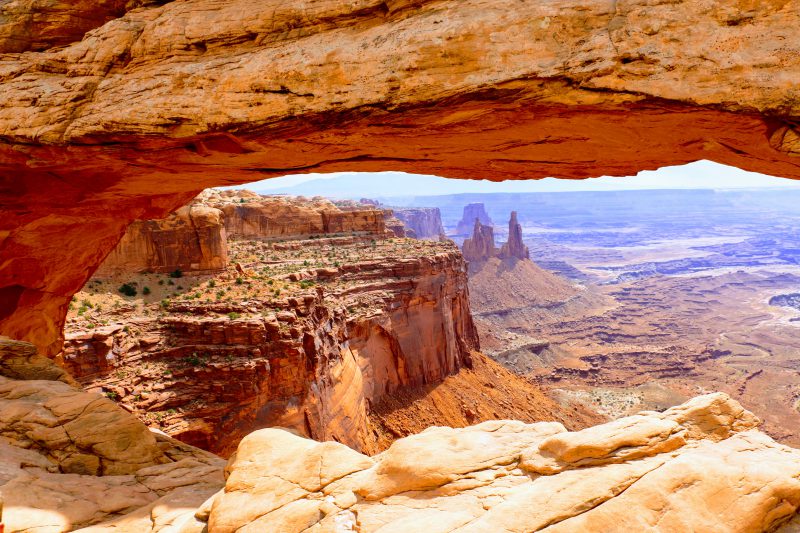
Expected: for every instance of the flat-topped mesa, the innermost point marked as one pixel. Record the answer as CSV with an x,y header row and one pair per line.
x,y
514,247
480,246
472,212
192,239
305,334
251,216
424,222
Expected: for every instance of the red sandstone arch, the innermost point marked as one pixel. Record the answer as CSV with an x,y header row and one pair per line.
x,y
147,110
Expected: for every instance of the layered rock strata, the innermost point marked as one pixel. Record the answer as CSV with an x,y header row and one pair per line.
x,y
480,246
70,459
150,108
424,222
192,239
473,212
700,466
289,340
251,216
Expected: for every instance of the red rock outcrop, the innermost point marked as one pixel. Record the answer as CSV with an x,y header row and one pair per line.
x,y
514,247
251,216
336,339
480,246
150,108
473,212
192,239
424,222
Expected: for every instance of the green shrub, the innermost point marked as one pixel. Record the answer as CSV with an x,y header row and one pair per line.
x,y
176,273
146,291
127,289
233,316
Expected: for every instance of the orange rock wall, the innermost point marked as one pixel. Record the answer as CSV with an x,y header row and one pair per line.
x,y
313,366
250,216
192,239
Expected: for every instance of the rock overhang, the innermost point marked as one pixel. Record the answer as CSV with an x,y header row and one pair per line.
x,y
147,110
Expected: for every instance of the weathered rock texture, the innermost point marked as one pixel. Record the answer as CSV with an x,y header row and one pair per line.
x,y
701,466
250,216
480,246
150,108
473,212
425,222
70,459
192,239
514,247
315,357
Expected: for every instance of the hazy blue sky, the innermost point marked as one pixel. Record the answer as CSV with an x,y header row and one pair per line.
x,y
698,175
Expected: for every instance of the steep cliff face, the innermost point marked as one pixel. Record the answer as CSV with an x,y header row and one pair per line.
x,y
425,222
250,216
514,248
156,105
295,345
480,246
473,212
192,239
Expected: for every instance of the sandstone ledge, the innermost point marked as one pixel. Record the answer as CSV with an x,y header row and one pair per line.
x,y
701,466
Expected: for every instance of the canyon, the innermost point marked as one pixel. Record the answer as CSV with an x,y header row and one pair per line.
x,y
651,298
115,113
318,316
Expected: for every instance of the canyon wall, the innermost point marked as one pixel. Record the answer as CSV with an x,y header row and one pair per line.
x,y
425,222
313,361
192,239
150,108
251,216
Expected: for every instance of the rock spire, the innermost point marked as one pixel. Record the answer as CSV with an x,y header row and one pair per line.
x,y
514,247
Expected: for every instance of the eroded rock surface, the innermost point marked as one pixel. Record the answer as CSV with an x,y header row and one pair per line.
x,y
514,248
152,107
192,239
306,334
251,216
425,222
70,459
480,246
701,466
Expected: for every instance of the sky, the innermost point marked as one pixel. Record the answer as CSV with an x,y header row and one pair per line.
x,y
697,175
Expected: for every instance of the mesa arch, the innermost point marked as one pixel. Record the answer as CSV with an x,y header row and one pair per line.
x,y
144,111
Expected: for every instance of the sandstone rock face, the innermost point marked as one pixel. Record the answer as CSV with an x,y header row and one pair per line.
x,y
336,340
250,216
425,222
473,212
40,24
70,459
514,247
701,466
192,239
480,246
152,107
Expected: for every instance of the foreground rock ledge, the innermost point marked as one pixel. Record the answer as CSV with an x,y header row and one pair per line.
x,y
700,466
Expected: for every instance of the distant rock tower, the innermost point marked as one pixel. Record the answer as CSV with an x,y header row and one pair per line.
x,y
472,212
480,246
514,247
